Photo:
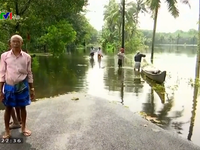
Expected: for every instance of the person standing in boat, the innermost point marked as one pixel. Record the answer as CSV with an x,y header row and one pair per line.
x,y
120,57
138,59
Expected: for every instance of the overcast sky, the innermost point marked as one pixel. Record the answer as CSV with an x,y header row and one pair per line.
x,y
187,19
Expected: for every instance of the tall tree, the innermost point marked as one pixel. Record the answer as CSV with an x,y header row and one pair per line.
x,y
154,6
113,24
39,20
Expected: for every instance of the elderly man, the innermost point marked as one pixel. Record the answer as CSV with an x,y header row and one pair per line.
x,y
16,80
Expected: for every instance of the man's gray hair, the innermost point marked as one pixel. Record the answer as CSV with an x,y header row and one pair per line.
x,y
16,36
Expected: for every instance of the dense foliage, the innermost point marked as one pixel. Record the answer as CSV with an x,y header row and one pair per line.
x,y
178,37
111,33
135,39
47,25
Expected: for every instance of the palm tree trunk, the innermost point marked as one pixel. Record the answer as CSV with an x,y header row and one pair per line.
x,y
198,49
17,13
196,87
194,106
154,33
123,22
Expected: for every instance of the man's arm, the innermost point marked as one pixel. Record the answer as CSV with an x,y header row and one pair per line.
x,y
1,86
125,56
2,72
143,55
30,75
30,80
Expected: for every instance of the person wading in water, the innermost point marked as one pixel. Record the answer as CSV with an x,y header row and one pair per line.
x,y
120,57
99,56
138,59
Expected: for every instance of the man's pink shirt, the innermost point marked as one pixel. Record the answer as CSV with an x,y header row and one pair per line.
x,y
14,69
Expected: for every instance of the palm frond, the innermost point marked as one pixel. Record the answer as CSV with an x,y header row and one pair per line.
x,y
186,2
173,8
153,4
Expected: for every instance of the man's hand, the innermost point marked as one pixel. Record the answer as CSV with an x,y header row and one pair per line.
x,y
1,96
32,94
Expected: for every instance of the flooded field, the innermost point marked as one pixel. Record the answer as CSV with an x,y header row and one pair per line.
x,y
173,106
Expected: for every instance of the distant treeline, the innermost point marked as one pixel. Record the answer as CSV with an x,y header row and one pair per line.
x,y
178,37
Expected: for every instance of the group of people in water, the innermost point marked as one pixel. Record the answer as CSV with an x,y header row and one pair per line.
x,y
137,59
121,56
99,53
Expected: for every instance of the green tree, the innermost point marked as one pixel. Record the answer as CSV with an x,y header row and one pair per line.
x,y
111,34
183,37
37,19
154,6
58,36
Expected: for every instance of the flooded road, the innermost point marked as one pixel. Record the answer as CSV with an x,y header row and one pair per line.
x,y
173,105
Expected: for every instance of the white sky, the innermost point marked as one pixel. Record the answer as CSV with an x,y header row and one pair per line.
x,y
187,19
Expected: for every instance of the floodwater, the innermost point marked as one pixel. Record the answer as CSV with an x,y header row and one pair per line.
x,y
173,105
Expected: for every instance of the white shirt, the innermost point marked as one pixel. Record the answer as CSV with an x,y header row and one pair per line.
x,y
99,52
120,55
91,50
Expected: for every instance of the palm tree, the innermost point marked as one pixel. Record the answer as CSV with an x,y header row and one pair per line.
x,y
177,39
154,6
113,21
140,7
162,38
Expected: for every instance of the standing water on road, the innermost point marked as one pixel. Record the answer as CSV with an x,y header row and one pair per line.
x,y
171,106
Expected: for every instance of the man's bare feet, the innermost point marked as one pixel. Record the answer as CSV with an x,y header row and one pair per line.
x,y
7,135
26,132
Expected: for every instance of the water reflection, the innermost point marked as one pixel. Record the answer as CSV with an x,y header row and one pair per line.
x,y
149,106
59,75
99,62
121,81
158,88
138,83
163,113
92,62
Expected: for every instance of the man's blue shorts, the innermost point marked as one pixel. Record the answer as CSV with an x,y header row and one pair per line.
x,y
17,95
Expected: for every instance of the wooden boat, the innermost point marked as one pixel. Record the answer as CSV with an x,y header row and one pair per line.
x,y
158,77
158,88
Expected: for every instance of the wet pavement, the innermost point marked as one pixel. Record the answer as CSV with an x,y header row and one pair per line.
x,y
91,123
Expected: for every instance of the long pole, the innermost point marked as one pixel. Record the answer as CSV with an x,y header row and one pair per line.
x,y
123,21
